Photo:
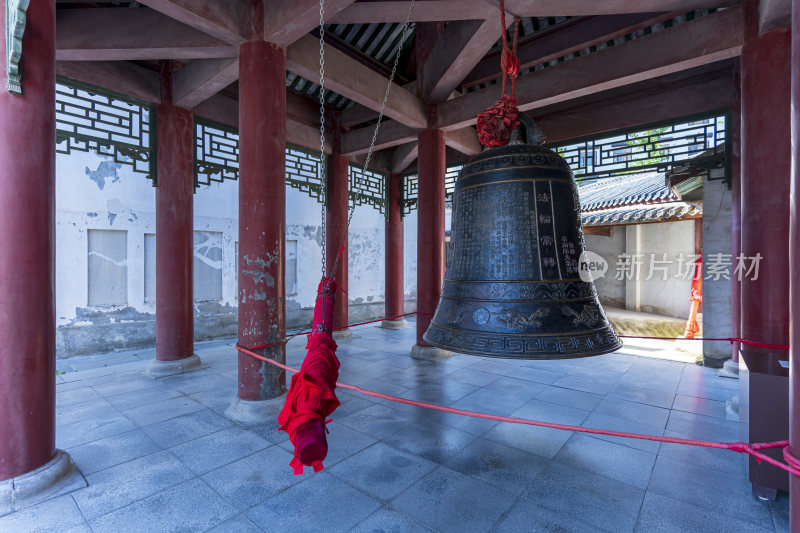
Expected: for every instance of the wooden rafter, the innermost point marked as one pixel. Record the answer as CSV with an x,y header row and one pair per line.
x,y
565,38
107,34
355,81
203,78
458,50
227,21
403,156
286,21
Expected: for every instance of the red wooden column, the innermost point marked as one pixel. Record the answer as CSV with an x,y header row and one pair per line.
x,y
765,180
794,258
430,235
336,229
174,240
262,226
394,296
27,270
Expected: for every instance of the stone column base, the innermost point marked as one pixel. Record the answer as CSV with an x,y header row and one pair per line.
x,y
57,477
729,370
159,369
255,412
342,334
429,353
394,324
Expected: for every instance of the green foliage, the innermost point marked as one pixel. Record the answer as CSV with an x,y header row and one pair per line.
x,y
648,140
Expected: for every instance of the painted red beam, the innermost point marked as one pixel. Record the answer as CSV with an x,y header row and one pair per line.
x,y
114,34
563,39
681,98
228,21
286,21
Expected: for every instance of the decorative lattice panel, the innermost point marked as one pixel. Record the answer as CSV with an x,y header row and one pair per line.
x,y
700,143
367,187
450,177
410,193
303,171
411,183
216,156
91,120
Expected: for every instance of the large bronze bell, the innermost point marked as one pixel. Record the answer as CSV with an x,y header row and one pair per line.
x,y
512,286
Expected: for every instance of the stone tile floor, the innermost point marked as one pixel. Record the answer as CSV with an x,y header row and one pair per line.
x,y
161,456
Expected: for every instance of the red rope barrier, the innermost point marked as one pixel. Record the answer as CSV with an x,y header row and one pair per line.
x,y
741,447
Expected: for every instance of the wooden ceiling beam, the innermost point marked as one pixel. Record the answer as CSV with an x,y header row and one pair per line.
x,y
117,76
464,140
286,21
450,10
355,81
358,114
227,20
391,134
565,38
462,45
203,78
403,156
682,98
113,34
548,8
225,110
428,11
706,40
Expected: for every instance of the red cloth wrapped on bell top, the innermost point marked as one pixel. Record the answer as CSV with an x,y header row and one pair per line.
x,y
311,398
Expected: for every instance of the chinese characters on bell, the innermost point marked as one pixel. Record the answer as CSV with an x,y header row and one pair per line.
x,y
663,266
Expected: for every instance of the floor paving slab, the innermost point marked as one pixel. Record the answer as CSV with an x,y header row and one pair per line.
x,y
218,449
382,471
124,484
446,500
504,467
660,514
387,520
185,428
309,506
53,515
111,451
252,479
525,513
190,506
609,459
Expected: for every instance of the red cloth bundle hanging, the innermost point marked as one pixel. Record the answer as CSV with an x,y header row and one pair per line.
x,y
311,398
498,121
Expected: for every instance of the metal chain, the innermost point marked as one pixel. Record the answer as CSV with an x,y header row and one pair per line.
x,y
378,125
322,159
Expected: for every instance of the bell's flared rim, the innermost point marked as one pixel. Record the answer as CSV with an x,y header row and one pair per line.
x,y
531,356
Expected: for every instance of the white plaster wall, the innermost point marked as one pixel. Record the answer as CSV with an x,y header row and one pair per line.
x,y
367,245
716,240
216,208
610,290
92,192
410,259
117,199
670,297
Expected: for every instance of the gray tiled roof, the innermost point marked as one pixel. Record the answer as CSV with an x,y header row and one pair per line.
x,y
625,190
661,212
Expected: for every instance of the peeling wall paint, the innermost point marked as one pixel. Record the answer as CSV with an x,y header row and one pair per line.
x,y
93,192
